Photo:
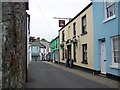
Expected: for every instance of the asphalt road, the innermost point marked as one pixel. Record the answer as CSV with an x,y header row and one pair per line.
x,y
43,75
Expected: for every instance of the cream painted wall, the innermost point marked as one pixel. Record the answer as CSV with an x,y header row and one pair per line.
x,y
88,38
85,39
60,49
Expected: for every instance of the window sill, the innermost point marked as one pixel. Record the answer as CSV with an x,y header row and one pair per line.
x,y
84,62
110,18
115,66
83,33
74,36
74,60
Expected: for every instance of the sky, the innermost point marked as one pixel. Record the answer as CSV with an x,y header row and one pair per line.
x,y
42,23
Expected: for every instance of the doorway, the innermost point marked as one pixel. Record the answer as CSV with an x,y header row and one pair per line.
x,y
103,56
69,52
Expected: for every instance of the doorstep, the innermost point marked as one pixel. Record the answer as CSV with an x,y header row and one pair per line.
x,y
102,75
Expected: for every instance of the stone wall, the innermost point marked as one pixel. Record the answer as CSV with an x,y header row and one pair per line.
x,y
0,45
13,45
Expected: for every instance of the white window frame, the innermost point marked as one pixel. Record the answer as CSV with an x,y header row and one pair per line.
x,y
111,17
114,65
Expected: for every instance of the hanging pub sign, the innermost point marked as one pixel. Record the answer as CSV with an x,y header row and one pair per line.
x,y
61,23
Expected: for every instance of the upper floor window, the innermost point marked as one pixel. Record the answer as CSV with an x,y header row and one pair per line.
x,y
63,36
69,32
56,44
110,8
74,28
84,25
35,49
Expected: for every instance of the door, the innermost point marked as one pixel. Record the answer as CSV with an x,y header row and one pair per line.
x,y
57,58
69,52
103,57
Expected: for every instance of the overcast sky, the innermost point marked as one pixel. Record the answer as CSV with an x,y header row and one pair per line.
x,y
42,12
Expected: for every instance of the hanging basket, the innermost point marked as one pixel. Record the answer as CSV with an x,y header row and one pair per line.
x,y
74,40
62,45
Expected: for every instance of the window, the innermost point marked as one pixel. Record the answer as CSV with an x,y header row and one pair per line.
x,y
84,51
63,36
69,32
63,54
56,44
74,29
84,25
34,49
116,50
110,8
74,46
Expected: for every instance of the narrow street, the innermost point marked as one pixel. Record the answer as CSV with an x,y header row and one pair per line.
x,y
49,75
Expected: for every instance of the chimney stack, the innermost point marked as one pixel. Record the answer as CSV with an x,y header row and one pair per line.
x,y
38,38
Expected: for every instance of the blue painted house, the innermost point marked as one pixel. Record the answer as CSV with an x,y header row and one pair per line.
x,y
36,48
107,37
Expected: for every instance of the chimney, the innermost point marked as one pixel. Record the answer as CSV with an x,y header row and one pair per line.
x,y
38,38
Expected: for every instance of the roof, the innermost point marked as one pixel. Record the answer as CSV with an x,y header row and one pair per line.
x,y
77,15
45,43
44,40
54,39
37,43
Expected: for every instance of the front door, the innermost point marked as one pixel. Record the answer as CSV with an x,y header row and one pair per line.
x,y
69,51
103,57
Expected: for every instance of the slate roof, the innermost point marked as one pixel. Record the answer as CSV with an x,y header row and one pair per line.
x,y
37,43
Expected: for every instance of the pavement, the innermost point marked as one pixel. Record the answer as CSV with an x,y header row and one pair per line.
x,y
43,74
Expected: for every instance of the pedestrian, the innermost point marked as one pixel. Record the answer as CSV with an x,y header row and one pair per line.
x,y
67,62
71,63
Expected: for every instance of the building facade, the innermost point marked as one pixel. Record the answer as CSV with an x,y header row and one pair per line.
x,y
36,47
45,51
76,40
54,45
107,37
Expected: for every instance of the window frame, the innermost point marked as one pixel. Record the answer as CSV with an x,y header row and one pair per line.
x,y
74,29
84,27
63,36
74,48
35,49
69,28
83,54
113,61
106,12
63,53
56,44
